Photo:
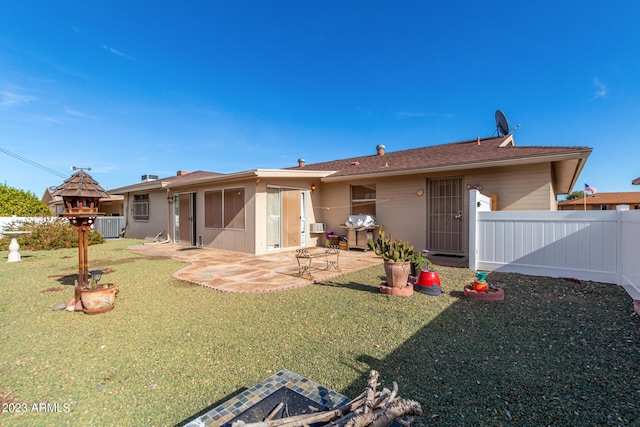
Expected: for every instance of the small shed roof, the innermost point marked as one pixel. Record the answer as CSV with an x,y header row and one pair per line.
x,y
80,184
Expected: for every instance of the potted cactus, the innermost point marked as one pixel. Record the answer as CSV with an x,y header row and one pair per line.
x,y
397,256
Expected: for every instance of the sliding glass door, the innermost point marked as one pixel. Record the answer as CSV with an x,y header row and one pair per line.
x,y
285,217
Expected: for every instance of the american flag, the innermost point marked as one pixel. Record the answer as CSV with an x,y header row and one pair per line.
x,y
587,187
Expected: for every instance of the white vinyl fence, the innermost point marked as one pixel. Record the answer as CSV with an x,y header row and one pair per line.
x,y
602,246
5,221
109,226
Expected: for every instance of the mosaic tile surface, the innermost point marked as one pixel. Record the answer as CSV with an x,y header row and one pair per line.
x,y
285,378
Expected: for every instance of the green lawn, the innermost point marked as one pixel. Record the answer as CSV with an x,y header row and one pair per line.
x,y
553,353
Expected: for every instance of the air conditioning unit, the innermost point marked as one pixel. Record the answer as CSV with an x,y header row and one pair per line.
x,y
317,228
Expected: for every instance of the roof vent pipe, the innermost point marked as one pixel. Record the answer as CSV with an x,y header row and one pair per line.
x,y
380,149
300,163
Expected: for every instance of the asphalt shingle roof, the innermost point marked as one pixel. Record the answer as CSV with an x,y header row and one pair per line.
x,y
189,176
452,154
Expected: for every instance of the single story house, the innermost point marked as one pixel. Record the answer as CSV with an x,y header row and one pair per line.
x,y
602,201
419,195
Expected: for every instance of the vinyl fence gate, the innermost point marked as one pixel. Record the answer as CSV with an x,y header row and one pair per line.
x,y
602,246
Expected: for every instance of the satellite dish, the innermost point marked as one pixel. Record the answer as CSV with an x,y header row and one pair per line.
x,y
502,124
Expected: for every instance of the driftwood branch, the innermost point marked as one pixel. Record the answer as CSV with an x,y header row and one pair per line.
x,y
372,385
274,412
371,408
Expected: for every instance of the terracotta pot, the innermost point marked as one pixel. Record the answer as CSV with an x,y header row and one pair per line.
x,y
405,291
99,299
397,273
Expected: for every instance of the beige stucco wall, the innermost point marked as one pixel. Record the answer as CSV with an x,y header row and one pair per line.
x,y
253,238
519,188
158,216
399,207
333,205
227,239
403,213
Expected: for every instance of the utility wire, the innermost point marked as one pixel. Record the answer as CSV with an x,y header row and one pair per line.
x,y
32,163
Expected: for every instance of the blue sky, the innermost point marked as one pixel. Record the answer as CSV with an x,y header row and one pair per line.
x,y
130,88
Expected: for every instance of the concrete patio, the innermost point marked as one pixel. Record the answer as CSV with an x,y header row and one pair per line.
x,y
237,272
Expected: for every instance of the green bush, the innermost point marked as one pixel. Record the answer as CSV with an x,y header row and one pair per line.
x,y
48,233
21,203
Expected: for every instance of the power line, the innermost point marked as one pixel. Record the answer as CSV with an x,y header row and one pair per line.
x,y
32,163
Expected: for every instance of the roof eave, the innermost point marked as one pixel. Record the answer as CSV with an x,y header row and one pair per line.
x,y
145,186
581,154
255,173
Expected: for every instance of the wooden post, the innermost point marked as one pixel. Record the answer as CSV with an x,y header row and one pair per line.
x,y
85,248
83,260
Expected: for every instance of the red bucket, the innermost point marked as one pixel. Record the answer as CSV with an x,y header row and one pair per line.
x,y
429,283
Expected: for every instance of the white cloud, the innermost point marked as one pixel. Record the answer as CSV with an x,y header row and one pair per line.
x,y
11,99
75,113
600,89
47,119
117,52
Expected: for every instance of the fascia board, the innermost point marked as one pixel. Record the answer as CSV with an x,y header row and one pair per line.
x,y
152,185
255,173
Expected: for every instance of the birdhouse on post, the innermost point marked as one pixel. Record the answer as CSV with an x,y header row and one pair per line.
x,y
81,195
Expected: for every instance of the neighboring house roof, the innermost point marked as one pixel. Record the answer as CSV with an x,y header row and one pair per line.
x,y
182,178
621,198
636,181
477,153
48,196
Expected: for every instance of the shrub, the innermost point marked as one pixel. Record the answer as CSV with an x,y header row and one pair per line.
x,y
21,203
48,233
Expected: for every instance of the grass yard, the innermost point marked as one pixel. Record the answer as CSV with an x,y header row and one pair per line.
x,y
554,352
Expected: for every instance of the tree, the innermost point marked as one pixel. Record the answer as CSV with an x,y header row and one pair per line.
x,y
575,195
21,203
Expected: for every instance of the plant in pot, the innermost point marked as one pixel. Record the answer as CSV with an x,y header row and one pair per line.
x,y
98,298
397,256
418,262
